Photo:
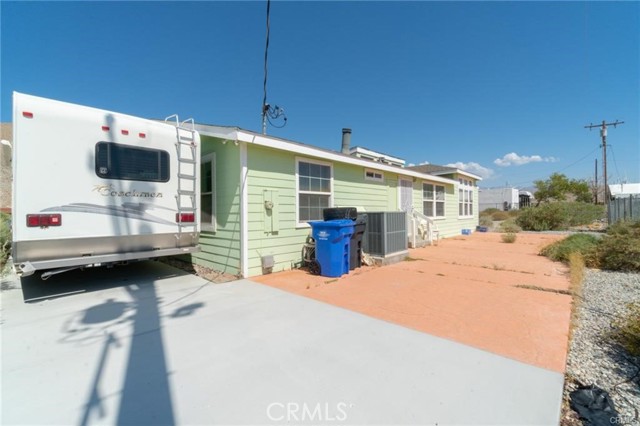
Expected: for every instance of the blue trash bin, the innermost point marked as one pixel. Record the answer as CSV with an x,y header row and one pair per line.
x,y
333,239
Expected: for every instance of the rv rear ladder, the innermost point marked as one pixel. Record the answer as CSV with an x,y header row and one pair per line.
x,y
187,161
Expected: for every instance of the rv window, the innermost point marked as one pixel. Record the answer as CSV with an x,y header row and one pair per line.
x,y
114,161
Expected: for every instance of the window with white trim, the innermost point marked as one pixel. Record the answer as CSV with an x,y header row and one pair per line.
x,y
465,198
373,175
208,193
314,189
433,200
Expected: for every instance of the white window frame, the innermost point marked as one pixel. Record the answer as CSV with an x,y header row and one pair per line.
x,y
435,200
378,176
465,198
298,192
213,225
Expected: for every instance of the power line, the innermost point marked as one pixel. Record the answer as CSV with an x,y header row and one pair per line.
x,y
265,107
268,112
613,155
577,161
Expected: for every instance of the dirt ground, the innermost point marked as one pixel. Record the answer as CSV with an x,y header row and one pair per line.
x,y
476,290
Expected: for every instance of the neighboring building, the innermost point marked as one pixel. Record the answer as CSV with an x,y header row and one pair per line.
x,y
6,173
525,198
504,198
259,192
620,190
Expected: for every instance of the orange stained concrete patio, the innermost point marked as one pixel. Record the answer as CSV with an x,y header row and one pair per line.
x,y
464,289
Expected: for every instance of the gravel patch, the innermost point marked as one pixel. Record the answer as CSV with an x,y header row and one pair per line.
x,y
594,358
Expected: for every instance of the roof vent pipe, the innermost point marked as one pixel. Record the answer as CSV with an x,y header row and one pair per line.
x,y
346,140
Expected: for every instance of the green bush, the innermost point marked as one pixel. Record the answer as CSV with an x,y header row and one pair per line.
x,y
584,213
559,215
5,238
486,221
620,248
627,332
514,213
509,237
500,215
545,217
510,226
489,211
583,244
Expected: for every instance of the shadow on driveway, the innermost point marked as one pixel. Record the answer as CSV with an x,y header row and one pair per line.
x,y
133,321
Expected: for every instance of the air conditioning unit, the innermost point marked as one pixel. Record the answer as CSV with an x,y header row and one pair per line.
x,y
385,234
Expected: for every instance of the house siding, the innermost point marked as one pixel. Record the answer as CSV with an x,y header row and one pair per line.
x,y
220,250
271,177
273,172
352,190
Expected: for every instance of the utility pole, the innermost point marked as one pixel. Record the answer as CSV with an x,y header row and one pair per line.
x,y
596,179
603,135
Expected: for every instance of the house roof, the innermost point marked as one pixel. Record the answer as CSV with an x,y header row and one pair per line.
x,y
236,134
434,169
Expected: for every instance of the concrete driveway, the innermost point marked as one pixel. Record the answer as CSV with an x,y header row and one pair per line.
x,y
148,344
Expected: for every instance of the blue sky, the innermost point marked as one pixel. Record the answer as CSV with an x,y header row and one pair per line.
x,y
500,88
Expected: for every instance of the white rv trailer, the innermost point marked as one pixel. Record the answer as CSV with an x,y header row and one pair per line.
x,y
93,187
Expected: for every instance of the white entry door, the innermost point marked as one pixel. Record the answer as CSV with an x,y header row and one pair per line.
x,y
406,195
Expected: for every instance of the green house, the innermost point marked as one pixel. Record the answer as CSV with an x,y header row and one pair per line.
x,y
258,194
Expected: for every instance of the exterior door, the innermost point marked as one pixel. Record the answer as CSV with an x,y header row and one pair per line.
x,y
406,195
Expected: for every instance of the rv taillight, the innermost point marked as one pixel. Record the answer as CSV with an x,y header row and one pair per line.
x,y
105,128
185,217
125,132
142,135
27,114
44,220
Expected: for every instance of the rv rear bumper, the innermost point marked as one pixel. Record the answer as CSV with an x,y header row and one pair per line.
x,y
28,268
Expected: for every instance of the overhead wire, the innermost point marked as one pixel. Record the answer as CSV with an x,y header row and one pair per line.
x,y
615,163
266,61
268,112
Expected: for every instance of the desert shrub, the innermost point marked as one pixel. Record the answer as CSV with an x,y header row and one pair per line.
x,y
545,217
583,213
624,227
561,251
510,226
486,221
514,213
620,248
500,215
559,215
627,331
489,211
5,238
509,237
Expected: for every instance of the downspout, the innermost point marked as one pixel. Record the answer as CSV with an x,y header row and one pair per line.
x,y
244,212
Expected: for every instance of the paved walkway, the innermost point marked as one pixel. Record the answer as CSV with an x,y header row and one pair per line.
x,y
147,344
474,289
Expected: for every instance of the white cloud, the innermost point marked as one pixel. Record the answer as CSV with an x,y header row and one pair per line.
x,y
474,168
423,163
513,159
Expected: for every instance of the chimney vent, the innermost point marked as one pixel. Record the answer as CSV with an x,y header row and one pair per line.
x,y
346,141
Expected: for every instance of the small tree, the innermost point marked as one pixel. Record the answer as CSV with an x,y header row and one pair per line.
x,y
560,188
